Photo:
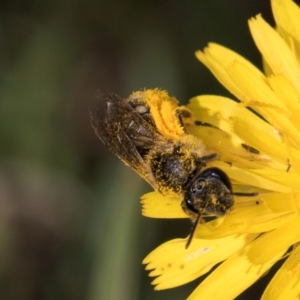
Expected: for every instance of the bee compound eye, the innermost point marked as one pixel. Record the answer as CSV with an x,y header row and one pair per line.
x,y
219,175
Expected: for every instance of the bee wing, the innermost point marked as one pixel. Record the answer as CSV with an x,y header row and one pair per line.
x,y
124,131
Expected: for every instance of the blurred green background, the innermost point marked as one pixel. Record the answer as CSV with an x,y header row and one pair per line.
x,y
70,221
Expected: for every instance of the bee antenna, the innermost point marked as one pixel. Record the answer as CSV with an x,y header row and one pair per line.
x,y
193,229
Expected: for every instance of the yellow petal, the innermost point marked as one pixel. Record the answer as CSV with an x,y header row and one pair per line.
x,y
232,277
155,205
232,149
253,219
276,241
238,121
267,69
287,16
217,58
248,177
264,100
262,141
228,146
254,87
289,179
274,201
275,51
221,112
286,283
176,265
288,96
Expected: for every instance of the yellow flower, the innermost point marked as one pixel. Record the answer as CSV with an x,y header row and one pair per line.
x,y
263,148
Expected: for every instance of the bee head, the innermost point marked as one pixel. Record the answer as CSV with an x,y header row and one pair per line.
x,y
209,192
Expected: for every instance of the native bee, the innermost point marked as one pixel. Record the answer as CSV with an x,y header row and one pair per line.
x,y
146,131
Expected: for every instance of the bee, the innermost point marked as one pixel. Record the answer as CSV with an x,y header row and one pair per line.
x,y
147,132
